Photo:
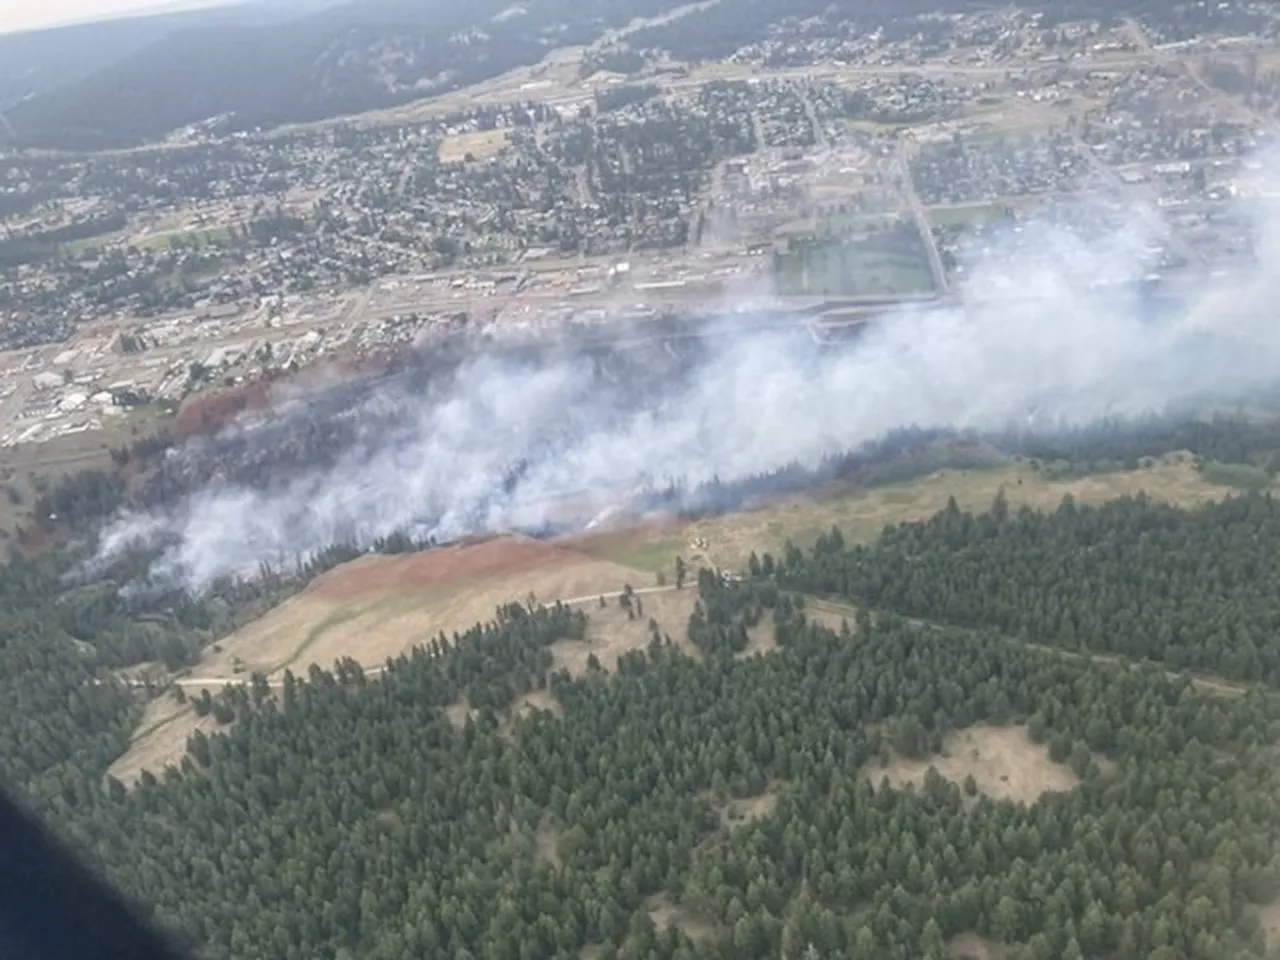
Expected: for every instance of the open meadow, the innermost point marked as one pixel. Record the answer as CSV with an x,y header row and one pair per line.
x,y
727,541
378,607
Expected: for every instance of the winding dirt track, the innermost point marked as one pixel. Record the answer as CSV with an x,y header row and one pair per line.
x,y
214,682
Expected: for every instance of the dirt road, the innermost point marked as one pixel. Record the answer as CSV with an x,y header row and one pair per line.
x,y
276,680
920,215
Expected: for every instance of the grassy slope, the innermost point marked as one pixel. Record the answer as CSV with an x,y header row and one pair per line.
x,y
863,513
312,629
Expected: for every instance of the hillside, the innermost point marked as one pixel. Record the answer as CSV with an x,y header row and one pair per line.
x,y
376,607
1024,732
37,62
136,81
346,59
885,788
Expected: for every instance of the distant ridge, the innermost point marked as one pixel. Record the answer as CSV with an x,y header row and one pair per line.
x,y
272,62
36,62
137,80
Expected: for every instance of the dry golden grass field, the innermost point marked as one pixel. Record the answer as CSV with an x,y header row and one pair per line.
x,y
380,606
1003,761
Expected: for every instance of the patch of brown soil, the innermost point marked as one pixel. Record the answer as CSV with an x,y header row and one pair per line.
x,y
463,562
526,705
480,145
742,811
666,914
211,411
547,841
1269,916
611,633
761,639
1003,762
534,701
459,713
970,946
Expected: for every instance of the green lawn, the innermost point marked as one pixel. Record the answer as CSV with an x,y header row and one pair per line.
x,y
147,413
847,222
203,237
963,216
853,269
77,249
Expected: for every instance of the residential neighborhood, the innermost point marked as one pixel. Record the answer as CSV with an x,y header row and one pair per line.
x,y
807,166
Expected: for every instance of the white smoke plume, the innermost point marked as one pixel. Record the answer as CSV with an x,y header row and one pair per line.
x,y
1043,341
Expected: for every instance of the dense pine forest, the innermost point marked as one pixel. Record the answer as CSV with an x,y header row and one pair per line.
x,y
1193,589
350,816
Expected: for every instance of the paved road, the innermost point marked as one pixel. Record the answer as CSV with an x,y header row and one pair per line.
x,y
819,134
921,216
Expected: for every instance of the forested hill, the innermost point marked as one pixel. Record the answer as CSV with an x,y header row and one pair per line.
x,y
346,59
352,818
749,784
35,62
1195,589
136,85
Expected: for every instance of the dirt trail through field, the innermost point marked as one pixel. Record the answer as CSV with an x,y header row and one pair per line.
x,y
379,606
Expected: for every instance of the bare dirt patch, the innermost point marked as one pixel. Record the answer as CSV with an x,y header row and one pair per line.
x,y
480,145
210,411
526,705
1106,766
1269,916
611,633
536,700
1003,762
458,563
970,946
761,639
742,811
666,914
459,713
547,841
161,739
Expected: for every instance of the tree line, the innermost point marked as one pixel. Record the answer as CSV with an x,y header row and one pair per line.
x,y
1197,589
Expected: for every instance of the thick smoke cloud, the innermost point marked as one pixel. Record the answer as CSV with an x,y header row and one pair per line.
x,y
1047,339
